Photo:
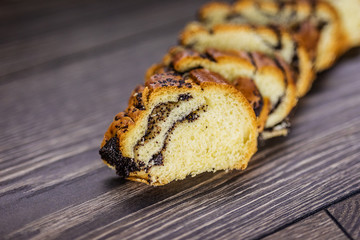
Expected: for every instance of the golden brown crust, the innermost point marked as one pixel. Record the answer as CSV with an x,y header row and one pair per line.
x,y
204,76
237,54
260,104
248,88
222,7
261,60
264,114
169,81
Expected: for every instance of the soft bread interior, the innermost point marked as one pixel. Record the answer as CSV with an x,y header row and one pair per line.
x,y
132,144
179,125
270,80
238,37
163,117
243,37
220,138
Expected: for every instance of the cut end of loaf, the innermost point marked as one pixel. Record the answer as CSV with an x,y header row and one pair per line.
x,y
188,125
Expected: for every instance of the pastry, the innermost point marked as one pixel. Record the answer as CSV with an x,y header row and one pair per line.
x,y
272,41
313,23
232,81
179,125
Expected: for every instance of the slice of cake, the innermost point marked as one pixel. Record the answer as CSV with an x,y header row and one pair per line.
x,y
271,41
179,125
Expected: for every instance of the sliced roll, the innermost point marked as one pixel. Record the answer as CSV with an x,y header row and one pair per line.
x,y
272,77
314,23
179,125
272,41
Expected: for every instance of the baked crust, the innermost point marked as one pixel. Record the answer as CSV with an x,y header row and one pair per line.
x,y
126,125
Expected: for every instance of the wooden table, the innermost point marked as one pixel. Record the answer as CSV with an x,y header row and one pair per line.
x,y
67,67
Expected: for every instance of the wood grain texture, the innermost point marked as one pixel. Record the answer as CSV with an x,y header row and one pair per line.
x,y
347,214
82,26
57,105
318,226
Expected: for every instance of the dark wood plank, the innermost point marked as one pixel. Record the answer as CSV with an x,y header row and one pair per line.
x,y
20,20
318,226
85,187
60,112
219,203
347,214
53,184
75,29
48,127
273,191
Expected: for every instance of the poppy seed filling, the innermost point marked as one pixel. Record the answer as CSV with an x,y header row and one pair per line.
x,y
156,134
160,120
111,154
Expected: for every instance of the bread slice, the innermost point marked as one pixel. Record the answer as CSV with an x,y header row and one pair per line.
x,y
179,125
271,41
273,80
315,24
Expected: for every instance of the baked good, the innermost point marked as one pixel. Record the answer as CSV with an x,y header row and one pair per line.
x,y
261,105
179,125
348,11
313,23
272,41
272,77
202,109
349,19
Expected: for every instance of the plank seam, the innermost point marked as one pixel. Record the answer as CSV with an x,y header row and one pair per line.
x,y
338,224
312,213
